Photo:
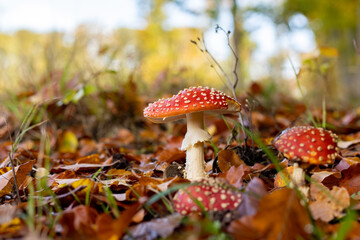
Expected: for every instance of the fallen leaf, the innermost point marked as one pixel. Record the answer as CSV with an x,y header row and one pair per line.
x,y
255,190
281,216
351,179
7,181
228,158
283,177
174,141
79,222
67,142
125,136
244,229
109,228
329,204
236,174
11,227
115,181
7,213
139,216
346,162
156,228
118,172
81,166
329,179
346,144
321,176
89,184
91,159
171,155
119,196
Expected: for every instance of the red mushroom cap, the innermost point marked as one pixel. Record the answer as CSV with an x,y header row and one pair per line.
x,y
214,195
189,100
308,144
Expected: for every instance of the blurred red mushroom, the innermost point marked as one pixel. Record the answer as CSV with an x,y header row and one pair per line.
x,y
213,194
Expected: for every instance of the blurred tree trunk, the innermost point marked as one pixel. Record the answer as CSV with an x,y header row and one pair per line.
x,y
237,38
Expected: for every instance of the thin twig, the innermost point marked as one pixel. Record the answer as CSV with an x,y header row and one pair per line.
x,y
11,159
231,85
14,177
235,56
228,81
302,94
25,127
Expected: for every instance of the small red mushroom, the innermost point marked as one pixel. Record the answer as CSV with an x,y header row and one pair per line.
x,y
191,103
308,145
213,194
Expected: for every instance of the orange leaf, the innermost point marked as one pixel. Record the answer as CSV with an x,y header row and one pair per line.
x,y
236,174
93,159
228,158
244,229
79,222
171,155
109,228
351,179
283,177
281,216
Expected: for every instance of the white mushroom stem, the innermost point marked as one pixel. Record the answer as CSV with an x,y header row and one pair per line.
x,y
193,144
298,179
298,175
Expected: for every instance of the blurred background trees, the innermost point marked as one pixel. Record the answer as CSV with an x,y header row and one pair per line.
x,y
160,58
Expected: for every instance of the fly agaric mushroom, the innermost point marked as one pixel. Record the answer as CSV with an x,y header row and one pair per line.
x,y
213,194
309,145
191,103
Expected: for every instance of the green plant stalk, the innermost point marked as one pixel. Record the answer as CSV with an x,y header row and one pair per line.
x,y
168,191
345,225
112,202
24,128
88,190
147,207
53,221
166,202
168,205
216,150
302,95
229,128
30,209
324,113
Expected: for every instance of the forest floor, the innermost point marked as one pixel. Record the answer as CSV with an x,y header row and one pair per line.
x,y
114,174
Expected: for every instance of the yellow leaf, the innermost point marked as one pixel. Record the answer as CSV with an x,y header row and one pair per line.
x,y
10,227
284,177
68,142
89,185
4,170
329,52
94,158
